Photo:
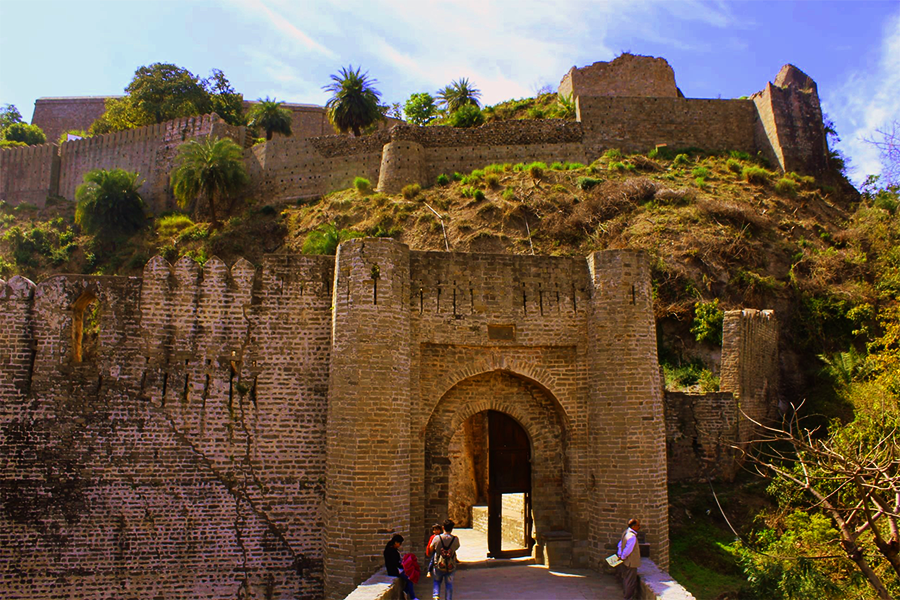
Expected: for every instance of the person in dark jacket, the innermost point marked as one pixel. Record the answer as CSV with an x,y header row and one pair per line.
x,y
394,567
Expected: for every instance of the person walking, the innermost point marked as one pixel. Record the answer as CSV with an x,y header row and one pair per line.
x,y
630,554
444,547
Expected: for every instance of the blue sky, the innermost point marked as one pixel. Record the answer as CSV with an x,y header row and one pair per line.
x,y
508,48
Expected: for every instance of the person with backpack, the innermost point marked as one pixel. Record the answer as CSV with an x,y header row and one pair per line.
x,y
436,530
394,565
444,547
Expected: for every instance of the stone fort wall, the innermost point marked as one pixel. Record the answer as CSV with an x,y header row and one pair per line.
x,y
702,428
783,122
263,431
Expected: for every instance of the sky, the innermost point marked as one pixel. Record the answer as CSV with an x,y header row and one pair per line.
x,y
288,49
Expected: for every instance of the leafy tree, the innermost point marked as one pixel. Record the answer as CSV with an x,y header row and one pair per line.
x,y
420,109
109,202
9,114
354,104
165,91
210,169
27,134
458,94
224,101
162,92
272,117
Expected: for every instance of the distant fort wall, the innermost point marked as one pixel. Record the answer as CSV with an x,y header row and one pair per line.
x,y
783,122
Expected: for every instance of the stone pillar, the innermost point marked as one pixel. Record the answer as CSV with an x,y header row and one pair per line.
x,y
17,343
626,428
750,365
402,163
368,437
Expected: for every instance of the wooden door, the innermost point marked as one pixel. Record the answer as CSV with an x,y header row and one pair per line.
x,y
509,472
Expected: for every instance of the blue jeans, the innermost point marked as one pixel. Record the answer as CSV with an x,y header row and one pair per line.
x,y
408,586
440,576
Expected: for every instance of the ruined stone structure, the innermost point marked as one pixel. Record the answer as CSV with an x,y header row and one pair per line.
x,y
627,75
630,103
702,428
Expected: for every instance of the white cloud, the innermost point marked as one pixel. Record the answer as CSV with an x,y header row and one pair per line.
x,y
506,48
868,100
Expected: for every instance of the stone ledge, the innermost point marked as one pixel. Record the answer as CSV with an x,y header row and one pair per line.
x,y
659,585
379,586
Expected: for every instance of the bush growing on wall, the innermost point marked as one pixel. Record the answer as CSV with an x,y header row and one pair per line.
x,y
362,184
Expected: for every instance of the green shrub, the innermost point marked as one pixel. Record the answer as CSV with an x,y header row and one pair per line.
x,y
734,166
738,155
755,175
617,166
495,168
169,225
478,195
509,194
613,153
700,181
700,172
681,160
519,167
536,170
442,179
574,166
662,152
477,174
457,176
466,116
411,191
557,166
467,191
535,112
110,202
492,180
325,239
362,185
25,133
786,187
708,319
586,183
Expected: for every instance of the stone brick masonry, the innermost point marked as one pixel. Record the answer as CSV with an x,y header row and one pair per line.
x,y
262,432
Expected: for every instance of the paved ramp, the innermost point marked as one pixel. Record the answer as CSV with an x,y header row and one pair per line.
x,y
485,579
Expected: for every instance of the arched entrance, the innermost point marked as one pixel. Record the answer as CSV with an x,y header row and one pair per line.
x,y
519,451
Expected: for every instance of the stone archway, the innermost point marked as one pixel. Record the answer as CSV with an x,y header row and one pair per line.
x,y
539,414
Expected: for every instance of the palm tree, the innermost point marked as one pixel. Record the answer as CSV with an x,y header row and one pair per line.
x,y
109,202
354,103
211,168
458,94
272,117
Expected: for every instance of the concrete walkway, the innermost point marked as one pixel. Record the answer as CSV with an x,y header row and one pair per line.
x,y
517,579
